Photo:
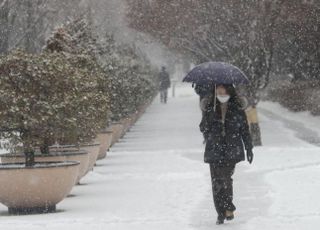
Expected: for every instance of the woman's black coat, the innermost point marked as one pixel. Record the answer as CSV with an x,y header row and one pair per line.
x,y
222,150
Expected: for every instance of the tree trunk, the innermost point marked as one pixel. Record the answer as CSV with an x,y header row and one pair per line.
x,y
29,157
30,36
4,26
252,116
28,149
44,149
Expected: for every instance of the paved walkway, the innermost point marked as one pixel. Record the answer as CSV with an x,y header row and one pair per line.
x,y
155,179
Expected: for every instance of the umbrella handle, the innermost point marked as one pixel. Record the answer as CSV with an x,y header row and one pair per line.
x,y
215,98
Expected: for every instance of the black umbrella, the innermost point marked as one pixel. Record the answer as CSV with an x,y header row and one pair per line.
x,y
216,73
210,73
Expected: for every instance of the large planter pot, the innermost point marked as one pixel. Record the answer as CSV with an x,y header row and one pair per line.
x,y
36,189
73,153
105,139
56,154
93,153
126,125
117,130
134,118
142,110
91,149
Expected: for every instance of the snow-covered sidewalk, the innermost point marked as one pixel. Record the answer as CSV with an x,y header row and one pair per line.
x,y
155,178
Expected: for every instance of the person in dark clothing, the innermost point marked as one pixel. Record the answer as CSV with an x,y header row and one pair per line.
x,y
164,84
202,90
226,132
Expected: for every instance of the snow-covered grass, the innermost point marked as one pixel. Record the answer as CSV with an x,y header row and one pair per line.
x,y
304,124
155,178
290,163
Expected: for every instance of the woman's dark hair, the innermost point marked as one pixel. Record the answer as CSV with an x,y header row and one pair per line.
x,y
231,90
208,101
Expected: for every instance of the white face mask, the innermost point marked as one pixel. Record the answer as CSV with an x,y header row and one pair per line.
x,y
223,98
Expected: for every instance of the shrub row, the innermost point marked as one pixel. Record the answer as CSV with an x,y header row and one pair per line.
x,y
298,96
72,90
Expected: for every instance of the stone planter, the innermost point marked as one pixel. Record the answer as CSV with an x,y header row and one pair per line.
x,y
105,139
126,123
56,154
134,118
91,149
36,189
142,110
86,161
93,153
117,130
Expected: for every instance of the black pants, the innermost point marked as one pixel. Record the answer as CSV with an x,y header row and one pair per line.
x,y
222,188
164,95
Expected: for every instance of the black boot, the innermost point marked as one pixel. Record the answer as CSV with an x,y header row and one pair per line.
x,y
220,220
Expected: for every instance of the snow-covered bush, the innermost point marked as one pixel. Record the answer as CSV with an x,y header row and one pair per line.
x,y
298,96
124,76
131,81
78,39
46,98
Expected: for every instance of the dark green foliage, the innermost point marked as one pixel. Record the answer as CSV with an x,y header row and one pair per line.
x,y
45,98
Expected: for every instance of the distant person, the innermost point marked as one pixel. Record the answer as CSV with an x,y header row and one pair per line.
x,y
226,132
164,84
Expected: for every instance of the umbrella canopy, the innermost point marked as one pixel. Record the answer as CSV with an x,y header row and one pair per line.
x,y
216,73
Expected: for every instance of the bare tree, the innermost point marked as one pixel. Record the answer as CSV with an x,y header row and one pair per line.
x,y
4,26
298,46
241,32
26,24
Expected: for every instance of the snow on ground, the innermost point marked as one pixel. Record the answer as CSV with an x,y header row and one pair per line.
x,y
155,178
2,151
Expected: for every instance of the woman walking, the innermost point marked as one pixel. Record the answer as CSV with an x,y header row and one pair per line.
x,y
226,132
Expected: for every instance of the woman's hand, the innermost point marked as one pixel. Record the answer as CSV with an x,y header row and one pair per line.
x,y
249,155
